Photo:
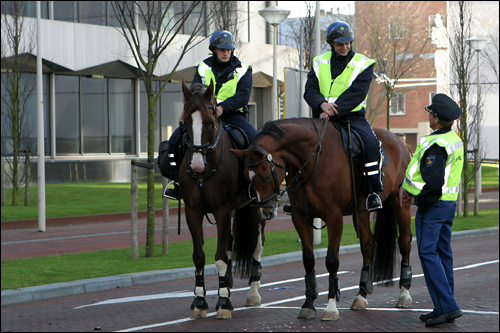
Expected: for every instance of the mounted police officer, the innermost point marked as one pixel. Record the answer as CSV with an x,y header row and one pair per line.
x,y
433,178
337,86
233,85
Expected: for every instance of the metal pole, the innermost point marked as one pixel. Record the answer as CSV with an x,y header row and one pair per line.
x,y
275,114
164,244
40,134
134,212
477,155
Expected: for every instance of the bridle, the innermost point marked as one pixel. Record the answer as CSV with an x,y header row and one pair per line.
x,y
268,157
205,149
277,194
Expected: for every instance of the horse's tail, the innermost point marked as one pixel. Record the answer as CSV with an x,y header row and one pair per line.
x,y
385,244
245,231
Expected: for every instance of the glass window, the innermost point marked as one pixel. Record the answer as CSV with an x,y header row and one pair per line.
x,y
112,19
93,12
397,105
67,114
25,8
172,104
95,115
29,114
66,11
121,116
144,120
192,21
396,28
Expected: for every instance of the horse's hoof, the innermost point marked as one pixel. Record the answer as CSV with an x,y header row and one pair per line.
x,y
404,302
330,315
306,313
198,313
253,300
223,314
360,303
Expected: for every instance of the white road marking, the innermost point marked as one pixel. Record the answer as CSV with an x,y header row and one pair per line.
x,y
185,293
270,304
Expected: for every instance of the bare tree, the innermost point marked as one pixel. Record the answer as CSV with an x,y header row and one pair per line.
x,y
18,42
150,27
392,33
291,30
462,70
491,54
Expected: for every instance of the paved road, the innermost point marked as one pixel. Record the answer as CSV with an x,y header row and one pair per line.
x,y
164,306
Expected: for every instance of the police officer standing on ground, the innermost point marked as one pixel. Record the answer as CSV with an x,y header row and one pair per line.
x,y
233,86
337,86
433,178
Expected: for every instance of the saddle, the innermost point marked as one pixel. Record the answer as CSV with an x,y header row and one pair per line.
x,y
358,149
236,135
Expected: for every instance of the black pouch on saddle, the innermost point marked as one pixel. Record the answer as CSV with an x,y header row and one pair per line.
x,y
162,160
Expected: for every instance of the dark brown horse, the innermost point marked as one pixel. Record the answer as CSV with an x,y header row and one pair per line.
x,y
312,159
211,181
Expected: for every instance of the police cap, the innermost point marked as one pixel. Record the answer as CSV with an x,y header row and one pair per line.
x,y
444,107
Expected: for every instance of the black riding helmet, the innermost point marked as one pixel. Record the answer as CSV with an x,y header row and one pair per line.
x,y
222,40
339,32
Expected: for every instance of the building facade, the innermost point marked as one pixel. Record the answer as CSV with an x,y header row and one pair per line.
x,y
95,105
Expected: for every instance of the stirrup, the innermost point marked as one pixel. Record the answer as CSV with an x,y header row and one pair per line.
x,y
376,201
172,194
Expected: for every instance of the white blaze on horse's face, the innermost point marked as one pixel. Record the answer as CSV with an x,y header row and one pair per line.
x,y
197,163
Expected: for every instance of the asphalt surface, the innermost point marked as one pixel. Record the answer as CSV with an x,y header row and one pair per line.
x,y
92,234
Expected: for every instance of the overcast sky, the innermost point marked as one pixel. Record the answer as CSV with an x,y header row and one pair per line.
x,y
298,8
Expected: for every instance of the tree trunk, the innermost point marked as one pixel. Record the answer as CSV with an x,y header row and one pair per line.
x,y
27,176
150,238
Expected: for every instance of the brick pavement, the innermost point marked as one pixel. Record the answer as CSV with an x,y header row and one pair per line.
x,y
476,291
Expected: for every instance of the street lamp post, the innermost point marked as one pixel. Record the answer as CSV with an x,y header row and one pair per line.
x,y
478,44
274,16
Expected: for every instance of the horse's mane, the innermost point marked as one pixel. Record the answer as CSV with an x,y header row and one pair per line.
x,y
273,129
196,102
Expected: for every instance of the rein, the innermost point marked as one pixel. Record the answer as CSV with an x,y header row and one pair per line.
x,y
278,194
210,147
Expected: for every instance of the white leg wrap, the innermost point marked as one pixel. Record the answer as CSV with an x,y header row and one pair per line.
x,y
222,267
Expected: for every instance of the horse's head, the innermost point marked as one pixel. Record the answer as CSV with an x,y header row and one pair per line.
x,y
265,172
203,131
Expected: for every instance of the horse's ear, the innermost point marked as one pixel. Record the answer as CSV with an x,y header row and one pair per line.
x,y
185,90
240,153
210,90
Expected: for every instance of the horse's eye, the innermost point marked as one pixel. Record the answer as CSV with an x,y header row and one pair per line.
x,y
268,176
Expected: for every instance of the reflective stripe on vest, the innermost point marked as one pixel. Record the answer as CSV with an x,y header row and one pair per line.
x,y
332,89
454,164
228,89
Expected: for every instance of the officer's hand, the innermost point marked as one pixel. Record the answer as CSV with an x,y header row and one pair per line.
x,y
404,196
218,111
329,109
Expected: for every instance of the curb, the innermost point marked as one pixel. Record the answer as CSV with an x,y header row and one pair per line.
x,y
36,293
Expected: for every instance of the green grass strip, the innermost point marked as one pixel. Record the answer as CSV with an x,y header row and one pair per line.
x,y
28,272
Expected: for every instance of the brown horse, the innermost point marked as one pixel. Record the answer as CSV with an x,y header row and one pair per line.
x,y
309,154
211,181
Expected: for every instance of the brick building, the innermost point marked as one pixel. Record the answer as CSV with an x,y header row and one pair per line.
x,y
400,32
